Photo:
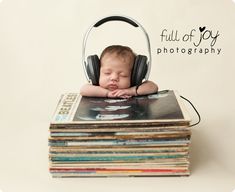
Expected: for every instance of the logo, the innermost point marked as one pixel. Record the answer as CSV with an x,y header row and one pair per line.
x,y
196,41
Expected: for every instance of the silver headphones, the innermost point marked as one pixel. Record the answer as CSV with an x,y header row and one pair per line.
x,y
142,65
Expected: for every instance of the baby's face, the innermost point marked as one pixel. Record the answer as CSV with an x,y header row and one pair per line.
x,y
115,72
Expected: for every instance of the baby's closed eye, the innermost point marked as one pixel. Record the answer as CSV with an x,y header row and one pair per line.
x,y
124,75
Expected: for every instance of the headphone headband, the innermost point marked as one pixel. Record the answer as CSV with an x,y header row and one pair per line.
x,y
115,18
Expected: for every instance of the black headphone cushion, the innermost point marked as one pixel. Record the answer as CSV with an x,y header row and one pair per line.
x,y
139,70
93,69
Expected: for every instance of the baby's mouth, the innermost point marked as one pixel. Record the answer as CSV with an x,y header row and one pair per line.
x,y
112,87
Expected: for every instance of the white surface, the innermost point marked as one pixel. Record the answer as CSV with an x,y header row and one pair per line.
x,y
40,58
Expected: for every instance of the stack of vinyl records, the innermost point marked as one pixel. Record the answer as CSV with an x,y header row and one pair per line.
x,y
103,137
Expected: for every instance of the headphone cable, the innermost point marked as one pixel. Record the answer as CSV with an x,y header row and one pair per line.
x,y
199,116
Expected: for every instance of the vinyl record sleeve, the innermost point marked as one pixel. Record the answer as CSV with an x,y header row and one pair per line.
x,y
163,107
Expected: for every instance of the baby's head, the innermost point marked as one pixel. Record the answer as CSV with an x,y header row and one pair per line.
x,y
116,63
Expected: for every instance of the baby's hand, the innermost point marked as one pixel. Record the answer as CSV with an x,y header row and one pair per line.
x,y
111,94
123,93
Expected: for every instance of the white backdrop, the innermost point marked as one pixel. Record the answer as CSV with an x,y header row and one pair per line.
x,y
40,58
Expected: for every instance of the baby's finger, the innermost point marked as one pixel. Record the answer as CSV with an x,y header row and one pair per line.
x,y
119,93
125,96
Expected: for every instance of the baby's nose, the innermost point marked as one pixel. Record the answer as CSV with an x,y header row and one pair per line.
x,y
114,77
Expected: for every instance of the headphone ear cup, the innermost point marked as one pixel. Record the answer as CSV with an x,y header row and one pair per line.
x,y
139,70
93,69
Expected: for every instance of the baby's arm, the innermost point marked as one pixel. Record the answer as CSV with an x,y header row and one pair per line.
x,y
147,87
93,91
